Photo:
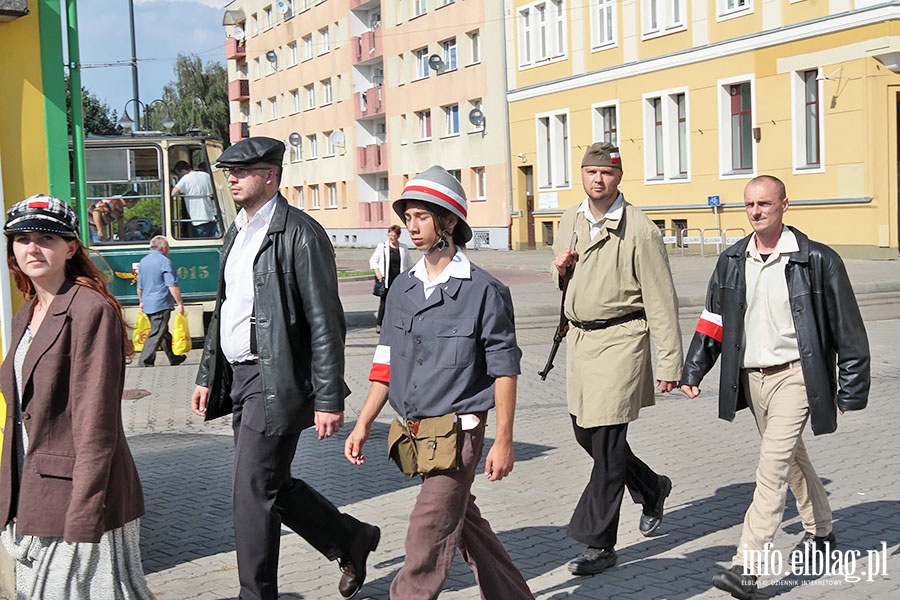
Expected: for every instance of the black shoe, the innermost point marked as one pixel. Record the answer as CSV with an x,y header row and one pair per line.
x,y
736,583
822,545
593,561
177,360
353,566
650,520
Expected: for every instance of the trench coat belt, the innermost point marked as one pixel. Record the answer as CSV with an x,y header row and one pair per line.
x,y
775,369
604,323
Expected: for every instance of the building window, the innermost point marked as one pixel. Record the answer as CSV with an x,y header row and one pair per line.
x,y
331,190
662,16
270,19
444,2
327,96
298,194
554,164
254,69
448,49
451,119
308,52
734,8
313,142
542,32
310,95
421,63
273,108
456,174
314,196
736,148
259,112
295,101
474,46
293,54
666,148
424,118
807,120
420,7
253,27
324,41
604,23
480,183
296,152
606,123
329,145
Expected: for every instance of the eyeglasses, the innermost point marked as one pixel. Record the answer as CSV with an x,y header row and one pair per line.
x,y
241,172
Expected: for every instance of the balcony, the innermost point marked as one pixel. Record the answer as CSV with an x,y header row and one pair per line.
x,y
235,49
354,4
367,46
369,103
238,132
371,159
239,89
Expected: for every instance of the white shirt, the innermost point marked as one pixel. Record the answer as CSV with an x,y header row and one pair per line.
x,y
613,214
234,318
459,267
197,190
769,335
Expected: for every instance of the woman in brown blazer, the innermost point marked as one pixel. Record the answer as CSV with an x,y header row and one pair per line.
x,y
70,495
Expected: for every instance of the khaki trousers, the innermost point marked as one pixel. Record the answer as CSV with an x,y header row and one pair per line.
x,y
781,408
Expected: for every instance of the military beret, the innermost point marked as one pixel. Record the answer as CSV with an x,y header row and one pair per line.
x,y
42,213
252,151
602,154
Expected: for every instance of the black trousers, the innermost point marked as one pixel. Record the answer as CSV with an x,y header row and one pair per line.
x,y
265,496
159,337
595,521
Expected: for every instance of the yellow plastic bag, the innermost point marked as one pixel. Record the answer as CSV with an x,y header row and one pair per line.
x,y
181,337
141,331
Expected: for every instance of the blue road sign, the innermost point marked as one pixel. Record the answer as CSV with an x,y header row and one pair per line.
x,y
714,201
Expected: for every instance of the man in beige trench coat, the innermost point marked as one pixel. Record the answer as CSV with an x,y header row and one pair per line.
x,y
620,296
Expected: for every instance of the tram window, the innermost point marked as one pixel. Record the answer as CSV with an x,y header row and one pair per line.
x,y
195,210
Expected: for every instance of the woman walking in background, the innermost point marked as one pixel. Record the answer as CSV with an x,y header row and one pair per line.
x,y
389,260
70,496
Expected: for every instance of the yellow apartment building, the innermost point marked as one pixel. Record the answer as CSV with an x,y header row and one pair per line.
x,y
368,93
701,96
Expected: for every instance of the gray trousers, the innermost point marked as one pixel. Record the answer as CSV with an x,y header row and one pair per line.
x,y
445,519
159,336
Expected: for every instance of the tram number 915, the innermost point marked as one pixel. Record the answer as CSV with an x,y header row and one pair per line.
x,y
196,272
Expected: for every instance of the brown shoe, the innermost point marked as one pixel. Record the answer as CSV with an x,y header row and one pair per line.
x,y
353,566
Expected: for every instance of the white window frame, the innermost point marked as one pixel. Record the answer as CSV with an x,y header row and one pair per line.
x,y
327,92
310,95
259,112
295,101
293,54
479,174
331,191
419,8
308,49
254,69
273,108
474,38
662,17
731,9
421,61
597,121
542,33
298,191
451,129
666,148
425,128
799,124
449,54
313,141
324,41
314,196
270,17
604,21
296,152
725,138
554,162
329,147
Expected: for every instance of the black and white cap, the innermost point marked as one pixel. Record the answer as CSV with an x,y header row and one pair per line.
x,y
42,213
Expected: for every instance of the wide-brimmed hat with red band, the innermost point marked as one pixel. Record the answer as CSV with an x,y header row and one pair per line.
x,y
436,186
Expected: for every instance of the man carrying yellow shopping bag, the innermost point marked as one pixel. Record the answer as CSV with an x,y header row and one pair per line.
x,y
158,292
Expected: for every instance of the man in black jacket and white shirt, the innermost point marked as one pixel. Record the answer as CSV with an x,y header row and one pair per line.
x,y
781,311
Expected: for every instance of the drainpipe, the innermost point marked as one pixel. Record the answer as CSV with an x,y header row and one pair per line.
x,y
509,167
77,118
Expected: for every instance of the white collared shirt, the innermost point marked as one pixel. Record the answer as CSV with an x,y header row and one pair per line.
x,y
770,338
613,214
234,319
459,267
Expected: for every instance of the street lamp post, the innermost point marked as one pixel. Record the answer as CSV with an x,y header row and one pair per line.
x,y
127,122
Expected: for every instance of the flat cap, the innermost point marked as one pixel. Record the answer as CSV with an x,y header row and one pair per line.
x,y
252,151
602,154
44,214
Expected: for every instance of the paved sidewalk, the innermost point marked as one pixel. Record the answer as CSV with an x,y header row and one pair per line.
x,y
185,466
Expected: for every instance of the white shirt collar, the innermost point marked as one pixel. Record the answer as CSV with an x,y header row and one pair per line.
x,y
613,214
787,243
264,214
459,267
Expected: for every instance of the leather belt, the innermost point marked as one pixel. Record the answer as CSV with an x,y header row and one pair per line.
x,y
245,363
776,368
604,323
413,426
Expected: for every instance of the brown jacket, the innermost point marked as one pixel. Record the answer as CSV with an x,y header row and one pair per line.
x,y
79,478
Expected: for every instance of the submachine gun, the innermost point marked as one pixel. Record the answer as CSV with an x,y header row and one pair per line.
x,y
563,327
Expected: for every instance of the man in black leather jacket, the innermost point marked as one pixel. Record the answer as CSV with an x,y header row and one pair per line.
x,y
781,312
274,359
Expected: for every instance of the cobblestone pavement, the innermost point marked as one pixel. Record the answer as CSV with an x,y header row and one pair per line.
x,y
185,466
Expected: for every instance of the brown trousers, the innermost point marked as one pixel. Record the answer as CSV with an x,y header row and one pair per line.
x,y
445,519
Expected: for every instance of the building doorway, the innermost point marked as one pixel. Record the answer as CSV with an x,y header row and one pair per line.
x,y
528,174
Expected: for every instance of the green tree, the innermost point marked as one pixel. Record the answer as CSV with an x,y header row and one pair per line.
x,y
99,118
198,98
